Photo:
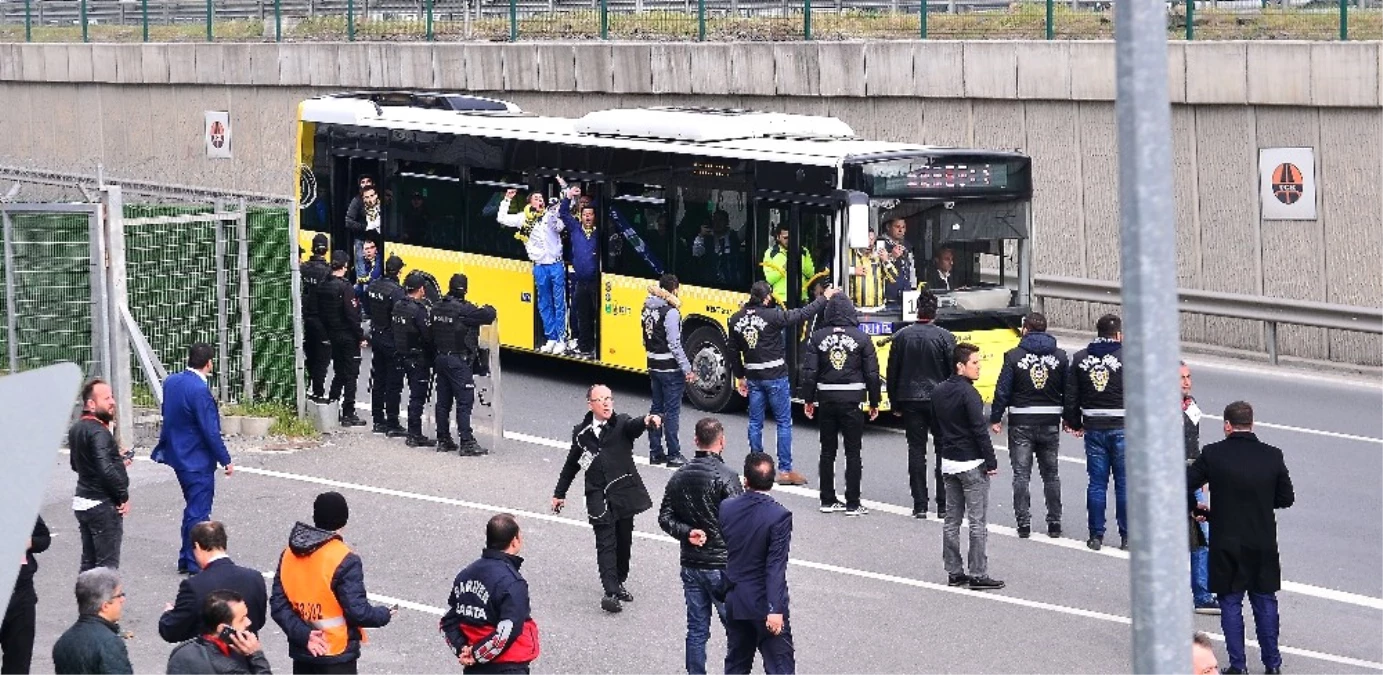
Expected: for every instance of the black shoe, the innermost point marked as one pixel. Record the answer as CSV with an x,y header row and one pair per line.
x,y
352,421
655,460
472,449
185,572
379,428
1272,671
920,515
675,461
624,595
419,441
1123,543
941,514
1054,530
319,399
395,431
958,580
447,445
1024,531
985,584
611,604
1094,543
1233,671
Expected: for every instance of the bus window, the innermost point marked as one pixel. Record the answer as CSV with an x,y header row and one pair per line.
x,y
429,206
714,224
639,242
484,234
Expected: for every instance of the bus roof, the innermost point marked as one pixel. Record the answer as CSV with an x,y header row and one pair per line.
x,y
739,134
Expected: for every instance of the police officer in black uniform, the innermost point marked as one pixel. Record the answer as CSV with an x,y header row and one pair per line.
x,y
381,295
340,312
456,337
316,348
412,354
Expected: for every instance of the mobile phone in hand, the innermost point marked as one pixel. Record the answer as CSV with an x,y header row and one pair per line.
x,y
128,455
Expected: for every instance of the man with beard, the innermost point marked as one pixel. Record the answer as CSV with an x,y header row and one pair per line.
x,y
102,498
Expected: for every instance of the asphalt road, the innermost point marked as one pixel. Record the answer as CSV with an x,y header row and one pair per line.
x,y
868,594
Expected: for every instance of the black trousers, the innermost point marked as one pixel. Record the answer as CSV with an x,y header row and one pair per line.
x,y
919,422
744,637
17,632
345,367
416,372
613,544
384,398
585,306
455,384
102,529
304,668
496,669
317,354
833,420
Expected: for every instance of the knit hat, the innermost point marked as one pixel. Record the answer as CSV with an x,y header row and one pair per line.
x,y
330,511
319,243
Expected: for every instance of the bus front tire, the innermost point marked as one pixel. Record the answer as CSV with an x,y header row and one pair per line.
x,y
714,388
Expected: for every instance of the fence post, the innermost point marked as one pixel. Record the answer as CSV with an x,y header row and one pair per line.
x,y
144,18
1190,20
28,21
350,20
1270,337
922,18
295,283
701,20
278,20
1157,480
82,7
513,20
1344,19
242,234
210,36
11,315
604,19
222,327
806,19
1051,19
429,20
112,207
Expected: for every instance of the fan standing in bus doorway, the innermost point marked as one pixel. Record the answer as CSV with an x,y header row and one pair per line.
x,y
540,231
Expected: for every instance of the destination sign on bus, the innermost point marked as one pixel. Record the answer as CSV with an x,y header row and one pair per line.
x,y
945,176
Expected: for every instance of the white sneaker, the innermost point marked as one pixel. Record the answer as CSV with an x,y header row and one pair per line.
x,y
559,347
572,345
547,347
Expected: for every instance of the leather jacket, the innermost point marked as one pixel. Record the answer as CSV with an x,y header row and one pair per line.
x,y
919,359
692,502
95,457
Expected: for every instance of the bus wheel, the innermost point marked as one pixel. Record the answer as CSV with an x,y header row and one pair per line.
x,y
713,390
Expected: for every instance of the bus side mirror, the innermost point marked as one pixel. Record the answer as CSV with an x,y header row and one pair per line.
x,y
857,220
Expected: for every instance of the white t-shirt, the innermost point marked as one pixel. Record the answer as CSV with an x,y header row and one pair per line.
x,y
950,466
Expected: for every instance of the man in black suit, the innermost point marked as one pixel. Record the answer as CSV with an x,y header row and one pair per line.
x,y
182,619
1249,480
758,535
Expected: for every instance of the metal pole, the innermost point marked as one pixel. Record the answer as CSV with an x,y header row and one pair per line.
x,y
1270,337
81,6
806,19
922,15
429,21
1344,19
209,13
1156,477
350,20
246,343
295,283
112,210
513,20
1051,19
604,19
144,18
701,20
28,21
222,349
1190,20
11,314
100,296
278,20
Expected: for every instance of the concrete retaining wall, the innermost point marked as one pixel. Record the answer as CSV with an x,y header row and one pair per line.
x,y
137,110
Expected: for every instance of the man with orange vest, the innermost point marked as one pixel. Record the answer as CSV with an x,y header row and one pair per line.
x,y
319,593
487,624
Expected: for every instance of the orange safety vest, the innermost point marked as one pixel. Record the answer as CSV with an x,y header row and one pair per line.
x,y
307,583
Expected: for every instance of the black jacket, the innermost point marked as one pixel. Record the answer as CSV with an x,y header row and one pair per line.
x,y
1191,431
96,459
356,224
412,332
381,294
184,621
692,500
1032,383
1095,387
347,583
840,364
614,489
488,611
339,310
92,646
1248,480
455,325
39,541
757,345
200,656
961,426
313,273
919,357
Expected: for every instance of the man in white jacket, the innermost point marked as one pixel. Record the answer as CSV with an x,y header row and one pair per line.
x,y
539,229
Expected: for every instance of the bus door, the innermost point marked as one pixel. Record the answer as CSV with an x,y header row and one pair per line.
x,y
582,300
347,173
795,243
637,248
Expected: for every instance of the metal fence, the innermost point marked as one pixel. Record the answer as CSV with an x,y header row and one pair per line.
x,y
665,20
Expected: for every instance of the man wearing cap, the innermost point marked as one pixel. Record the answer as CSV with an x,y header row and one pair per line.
x,y
381,294
412,351
316,348
455,334
340,312
322,614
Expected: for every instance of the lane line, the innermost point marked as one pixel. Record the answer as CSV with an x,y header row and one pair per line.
x,y
390,600
847,571
1002,530
1303,430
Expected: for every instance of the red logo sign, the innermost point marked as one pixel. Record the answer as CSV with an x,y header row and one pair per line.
x,y
218,135
1287,183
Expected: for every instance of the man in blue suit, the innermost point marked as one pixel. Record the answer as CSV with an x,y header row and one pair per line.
x,y
758,534
190,443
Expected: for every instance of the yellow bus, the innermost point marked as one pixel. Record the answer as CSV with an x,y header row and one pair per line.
x,y
696,192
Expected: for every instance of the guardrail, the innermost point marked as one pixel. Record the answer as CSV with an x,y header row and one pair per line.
x,y
1271,311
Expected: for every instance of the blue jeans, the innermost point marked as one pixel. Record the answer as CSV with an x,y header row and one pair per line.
x,y
667,403
1264,623
1200,565
776,394
699,587
1104,454
550,283
198,490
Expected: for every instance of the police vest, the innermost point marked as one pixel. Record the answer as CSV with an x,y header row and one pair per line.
x,y
306,582
655,342
382,294
449,335
407,337
313,273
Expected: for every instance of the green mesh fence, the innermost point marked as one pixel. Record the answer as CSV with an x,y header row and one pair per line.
x,y
52,290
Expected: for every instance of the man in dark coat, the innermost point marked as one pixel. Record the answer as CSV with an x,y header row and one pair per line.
x,y
183,619
603,445
17,631
1249,480
758,541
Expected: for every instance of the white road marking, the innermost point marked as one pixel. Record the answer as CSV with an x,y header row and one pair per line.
x,y
1316,432
390,600
836,569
